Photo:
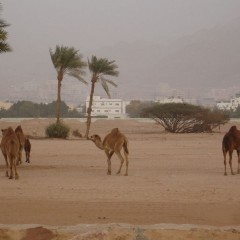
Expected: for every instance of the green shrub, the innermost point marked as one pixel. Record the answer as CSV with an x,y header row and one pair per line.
x,y
57,130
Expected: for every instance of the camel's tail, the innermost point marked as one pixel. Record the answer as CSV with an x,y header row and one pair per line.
x,y
125,146
225,145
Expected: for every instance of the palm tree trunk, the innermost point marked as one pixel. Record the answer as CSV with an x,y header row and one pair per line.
x,y
58,112
89,110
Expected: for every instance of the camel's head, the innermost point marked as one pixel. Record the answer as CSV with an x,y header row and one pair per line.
x,y
95,138
7,131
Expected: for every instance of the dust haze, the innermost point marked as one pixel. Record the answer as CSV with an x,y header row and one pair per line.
x,y
188,48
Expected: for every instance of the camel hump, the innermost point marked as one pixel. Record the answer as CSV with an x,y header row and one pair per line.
x,y
232,129
19,129
115,131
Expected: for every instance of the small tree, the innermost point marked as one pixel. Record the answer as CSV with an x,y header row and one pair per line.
x,y
67,61
99,68
185,118
57,130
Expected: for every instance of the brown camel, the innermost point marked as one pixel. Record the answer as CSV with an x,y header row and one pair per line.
x,y
27,148
21,139
231,142
113,143
10,150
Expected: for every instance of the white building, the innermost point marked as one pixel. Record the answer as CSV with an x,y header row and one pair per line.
x,y
5,105
229,105
223,105
115,108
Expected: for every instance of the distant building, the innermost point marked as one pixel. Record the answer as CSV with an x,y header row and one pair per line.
x,y
232,104
5,105
224,105
115,108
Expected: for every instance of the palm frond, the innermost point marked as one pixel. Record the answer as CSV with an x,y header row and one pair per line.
x,y
109,81
102,66
105,87
4,47
78,75
67,60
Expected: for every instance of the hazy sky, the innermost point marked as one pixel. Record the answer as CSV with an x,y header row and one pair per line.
x,y
95,23
37,25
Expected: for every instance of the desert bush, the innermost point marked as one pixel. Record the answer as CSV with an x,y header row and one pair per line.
x,y
185,118
57,130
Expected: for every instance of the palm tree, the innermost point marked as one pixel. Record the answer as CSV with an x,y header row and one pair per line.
x,y
4,47
99,68
67,61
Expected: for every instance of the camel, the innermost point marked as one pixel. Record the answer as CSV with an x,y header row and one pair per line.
x,y
27,148
10,149
231,142
21,139
113,143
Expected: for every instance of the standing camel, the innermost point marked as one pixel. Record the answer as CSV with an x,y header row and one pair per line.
x,y
21,139
113,143
231,142
10,149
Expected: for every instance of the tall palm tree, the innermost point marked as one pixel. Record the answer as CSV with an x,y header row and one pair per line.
x,y
67,61
4,47
99,68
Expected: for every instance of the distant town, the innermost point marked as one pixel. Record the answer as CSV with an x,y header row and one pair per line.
x,y
116,107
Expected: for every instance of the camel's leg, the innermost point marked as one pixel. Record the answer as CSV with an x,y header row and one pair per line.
x,y
109,162
27,156
19,160
238,161
11,168
6,160
126,157
122,161
230,161
15,169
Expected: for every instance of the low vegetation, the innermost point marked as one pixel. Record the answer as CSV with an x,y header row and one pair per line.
x,y
57,130
185,118
28,109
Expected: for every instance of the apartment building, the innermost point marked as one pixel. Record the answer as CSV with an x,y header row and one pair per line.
x,y
115,108
232,104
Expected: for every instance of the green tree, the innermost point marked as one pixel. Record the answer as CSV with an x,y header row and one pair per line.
x,y
186,118
4,47
99,68
27,109
67,61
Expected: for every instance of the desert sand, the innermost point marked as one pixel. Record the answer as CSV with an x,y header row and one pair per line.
x,y
176,188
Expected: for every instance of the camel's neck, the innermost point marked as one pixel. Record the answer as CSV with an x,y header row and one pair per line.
x,y
99,145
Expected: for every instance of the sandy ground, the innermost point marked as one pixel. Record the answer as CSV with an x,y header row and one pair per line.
x,y
173,179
